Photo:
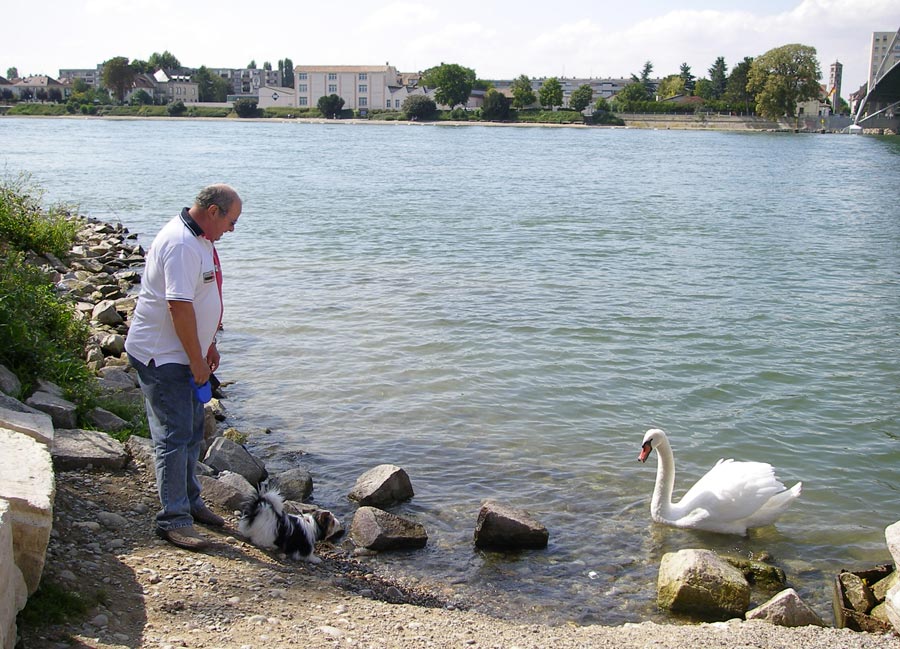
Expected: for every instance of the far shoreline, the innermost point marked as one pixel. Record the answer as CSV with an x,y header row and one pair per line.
x,y
648,121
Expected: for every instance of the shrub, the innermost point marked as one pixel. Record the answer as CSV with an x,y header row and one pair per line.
x,y
246,107
330,105
176,108
496,105
419,107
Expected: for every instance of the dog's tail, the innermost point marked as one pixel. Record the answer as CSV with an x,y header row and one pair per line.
x,y
265,496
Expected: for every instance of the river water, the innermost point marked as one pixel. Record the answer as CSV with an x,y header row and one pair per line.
x,y
503,312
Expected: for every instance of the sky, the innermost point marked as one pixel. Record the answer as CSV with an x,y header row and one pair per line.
x,y
499,39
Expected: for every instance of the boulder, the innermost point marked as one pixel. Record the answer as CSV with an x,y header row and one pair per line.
x,y
37,425
225,455
13,591
112,344
501,527
892,536
29,487
74,448
383,486
105,312
294,484
14,404
106,421
857,592
700,583
786,609
892,606
229,490
43,385
115,379
9,382
62,412
759,573
881,587
141,450
379,530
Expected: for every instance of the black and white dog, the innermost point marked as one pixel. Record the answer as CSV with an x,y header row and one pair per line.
x,y
264,522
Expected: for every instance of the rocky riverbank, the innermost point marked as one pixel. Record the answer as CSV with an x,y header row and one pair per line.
x,y
143,592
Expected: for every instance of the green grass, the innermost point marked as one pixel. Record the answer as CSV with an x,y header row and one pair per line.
x,y
38,109
53,604
41,336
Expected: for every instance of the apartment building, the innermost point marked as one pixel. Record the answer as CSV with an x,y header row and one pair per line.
x,y
360,86
91,76
248,81
884,54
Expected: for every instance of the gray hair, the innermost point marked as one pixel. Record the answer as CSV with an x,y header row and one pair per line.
x,y
220,195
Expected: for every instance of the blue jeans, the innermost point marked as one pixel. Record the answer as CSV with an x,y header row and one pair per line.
x,y
175,416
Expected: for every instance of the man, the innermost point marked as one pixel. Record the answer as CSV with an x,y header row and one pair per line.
x,y
171,341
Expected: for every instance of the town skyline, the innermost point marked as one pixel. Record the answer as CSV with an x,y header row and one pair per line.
x,y
501,41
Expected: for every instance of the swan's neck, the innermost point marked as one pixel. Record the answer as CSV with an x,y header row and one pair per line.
x,y
661,503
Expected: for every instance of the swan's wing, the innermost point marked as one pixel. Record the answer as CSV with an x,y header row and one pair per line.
x,y
732,491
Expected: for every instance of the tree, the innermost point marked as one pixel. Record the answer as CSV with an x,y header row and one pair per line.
x,y
141,67
419,107
704,89
688,79
164,61
633,92
330,105
736,92
141,98
12,73
496,105
118,76
453,83
670,86
246,107
550,93
210,87
287,72
718,78
55,94
80,85
581,97
522,92
783,77
252,65
644,79
601,106
267,65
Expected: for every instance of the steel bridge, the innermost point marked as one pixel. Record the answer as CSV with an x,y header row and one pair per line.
x,y
881,106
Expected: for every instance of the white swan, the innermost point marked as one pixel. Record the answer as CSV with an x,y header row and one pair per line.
x,y
730,498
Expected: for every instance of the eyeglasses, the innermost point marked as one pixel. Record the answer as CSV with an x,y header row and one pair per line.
x,y
224,212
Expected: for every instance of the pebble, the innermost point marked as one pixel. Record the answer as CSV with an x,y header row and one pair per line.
x,y
100,620
112,520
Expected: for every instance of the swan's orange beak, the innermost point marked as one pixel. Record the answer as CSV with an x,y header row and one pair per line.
x,y
645,452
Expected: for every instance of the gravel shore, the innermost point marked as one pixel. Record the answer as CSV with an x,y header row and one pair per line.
x,y
146,593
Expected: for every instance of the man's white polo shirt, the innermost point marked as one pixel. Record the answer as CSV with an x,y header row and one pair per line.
x,y
179,267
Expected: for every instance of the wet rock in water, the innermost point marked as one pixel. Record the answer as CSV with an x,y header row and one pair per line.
x,y
225,455
294,484
701,584
379,530
501,527
759,573
383,486
860,596
786,609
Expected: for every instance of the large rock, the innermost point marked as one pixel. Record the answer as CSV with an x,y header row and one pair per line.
x,y
14,404
9,382
759,573
501,527
786,609
141,450
379,530
383,486
113,379
700,583
27,483
106,420
74,448
225,455
105,313
229,490
892,536
62,412
37,425
13,591
294,484
892,606
857,592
